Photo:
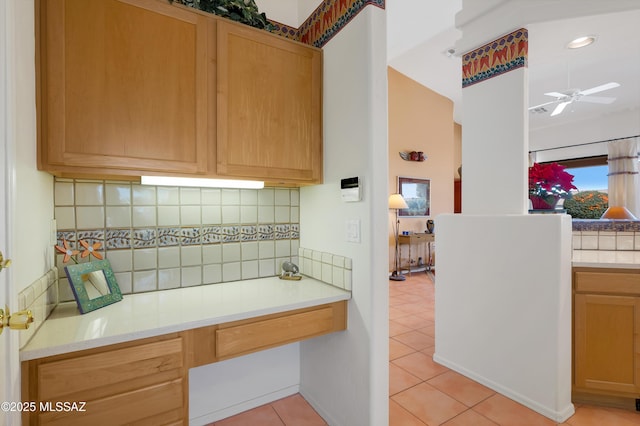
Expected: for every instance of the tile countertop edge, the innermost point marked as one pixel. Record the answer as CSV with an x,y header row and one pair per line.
x,y
139,316
606,259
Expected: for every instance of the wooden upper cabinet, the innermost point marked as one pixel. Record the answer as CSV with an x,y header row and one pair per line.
x,y
123,87
269,100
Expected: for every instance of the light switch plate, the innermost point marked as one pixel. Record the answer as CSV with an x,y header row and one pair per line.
x,y
353,230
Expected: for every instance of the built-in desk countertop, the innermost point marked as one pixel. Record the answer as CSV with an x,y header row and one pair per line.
x,y
156,313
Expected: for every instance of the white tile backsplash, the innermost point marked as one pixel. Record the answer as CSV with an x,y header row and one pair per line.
x,y
63,194
190,196
606,240
191,276
230,197
146,216
282,197
230,214
144,195
89,194
89,217
190,215
191,255
118,194
624,240
168,196
231,271
329,268
168,257
40,297
168,216
118,217
168,278
158,238
145,281
231,252
145,259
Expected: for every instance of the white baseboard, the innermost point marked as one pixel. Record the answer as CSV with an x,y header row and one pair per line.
x,y
244,406
557,416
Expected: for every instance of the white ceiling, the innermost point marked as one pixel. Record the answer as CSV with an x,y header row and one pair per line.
x,y
419,32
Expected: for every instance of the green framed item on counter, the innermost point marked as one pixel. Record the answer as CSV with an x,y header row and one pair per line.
x,y
93,284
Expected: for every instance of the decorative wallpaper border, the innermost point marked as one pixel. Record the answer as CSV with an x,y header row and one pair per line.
x,y
330,17
498,57
326,21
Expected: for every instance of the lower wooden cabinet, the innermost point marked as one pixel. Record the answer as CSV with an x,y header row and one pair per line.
x,y
145,382
606,337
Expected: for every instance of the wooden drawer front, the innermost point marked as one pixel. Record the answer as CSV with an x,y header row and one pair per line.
x,y
65,377
607,282
258,335
154,405
423,237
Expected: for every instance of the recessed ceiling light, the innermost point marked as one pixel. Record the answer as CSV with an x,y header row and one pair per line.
x,y
581,42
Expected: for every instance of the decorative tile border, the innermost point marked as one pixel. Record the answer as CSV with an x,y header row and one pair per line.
x,y
498,57
606,225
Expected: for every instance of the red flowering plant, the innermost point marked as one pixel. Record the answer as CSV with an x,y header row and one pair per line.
x,y
548,183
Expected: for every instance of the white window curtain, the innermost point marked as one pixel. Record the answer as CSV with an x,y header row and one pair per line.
x,y
624,184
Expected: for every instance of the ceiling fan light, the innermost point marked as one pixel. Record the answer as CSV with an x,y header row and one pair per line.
x,y
581,42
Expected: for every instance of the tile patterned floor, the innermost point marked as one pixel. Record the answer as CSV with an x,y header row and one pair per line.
x,y
422,392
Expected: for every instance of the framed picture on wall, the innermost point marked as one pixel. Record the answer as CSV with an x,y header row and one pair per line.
x,y
417,193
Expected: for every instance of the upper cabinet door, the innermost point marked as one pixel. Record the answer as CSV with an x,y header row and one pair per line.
x,y
123,87
269,104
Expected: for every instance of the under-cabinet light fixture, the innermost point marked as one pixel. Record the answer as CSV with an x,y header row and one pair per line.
x,y
201,182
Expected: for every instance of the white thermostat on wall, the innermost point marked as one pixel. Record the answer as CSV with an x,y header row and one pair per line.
x,y
351,189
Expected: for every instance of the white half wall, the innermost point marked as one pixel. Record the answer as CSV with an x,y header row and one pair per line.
x,y
503,306
345,375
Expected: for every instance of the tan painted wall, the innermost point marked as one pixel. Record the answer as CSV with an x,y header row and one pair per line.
x,y
420,120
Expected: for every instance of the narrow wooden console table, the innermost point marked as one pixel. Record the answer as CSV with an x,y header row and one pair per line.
x,y
418,238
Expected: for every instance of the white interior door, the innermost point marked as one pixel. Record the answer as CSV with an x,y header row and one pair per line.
x,y
9,360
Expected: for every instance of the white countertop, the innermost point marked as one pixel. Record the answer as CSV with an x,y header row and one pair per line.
x,y
606,259
144,315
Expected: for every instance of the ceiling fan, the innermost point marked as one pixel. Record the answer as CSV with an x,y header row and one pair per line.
x,y
574,95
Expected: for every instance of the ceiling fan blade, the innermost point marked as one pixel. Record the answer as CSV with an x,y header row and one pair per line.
x,y
559,108
601,88
556,94
542,105
597,99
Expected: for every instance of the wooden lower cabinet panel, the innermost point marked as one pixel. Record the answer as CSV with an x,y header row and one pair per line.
x,y
155,405
146,382
607,343
69,376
